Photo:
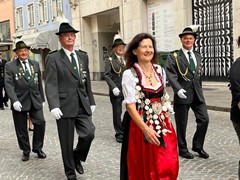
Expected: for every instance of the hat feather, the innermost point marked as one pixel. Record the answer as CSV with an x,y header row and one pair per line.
x,y
194,27
116,36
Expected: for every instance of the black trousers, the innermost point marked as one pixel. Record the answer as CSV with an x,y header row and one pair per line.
x,y
117,112
3,98
21,128
181,118
85,130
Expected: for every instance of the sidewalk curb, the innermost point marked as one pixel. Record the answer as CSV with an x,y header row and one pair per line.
x,y
209,107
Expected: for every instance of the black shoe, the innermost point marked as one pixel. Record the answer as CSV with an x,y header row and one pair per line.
x,y
186,155
25,157
119,139
6,104
78,166
40,154
201,153
2,108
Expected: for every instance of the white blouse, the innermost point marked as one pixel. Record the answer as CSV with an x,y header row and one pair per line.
x,y
129,84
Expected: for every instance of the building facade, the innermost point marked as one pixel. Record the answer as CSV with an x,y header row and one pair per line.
x,y
6,28
36,22
99,20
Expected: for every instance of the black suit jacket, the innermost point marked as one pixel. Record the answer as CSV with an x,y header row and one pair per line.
x,y
20,88
193,82
113,74
63,89
235,90
2,66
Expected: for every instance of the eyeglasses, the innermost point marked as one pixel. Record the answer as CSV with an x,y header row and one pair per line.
x,y
66,35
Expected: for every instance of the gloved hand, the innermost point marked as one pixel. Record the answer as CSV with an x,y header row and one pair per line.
x,y
116,91
17,106
56,113
181,94
93,107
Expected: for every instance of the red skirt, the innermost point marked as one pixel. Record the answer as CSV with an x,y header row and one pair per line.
x,y
150,162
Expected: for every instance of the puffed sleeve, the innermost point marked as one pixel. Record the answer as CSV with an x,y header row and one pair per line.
x,y
128,87
162,72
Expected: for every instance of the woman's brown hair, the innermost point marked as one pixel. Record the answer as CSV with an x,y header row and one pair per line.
x,y
132,58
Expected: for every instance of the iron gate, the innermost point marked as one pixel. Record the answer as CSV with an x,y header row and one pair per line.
x,y
215,40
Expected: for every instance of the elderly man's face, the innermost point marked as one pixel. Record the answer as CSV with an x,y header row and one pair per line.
x,y
119,50
67,39
22,53
187,41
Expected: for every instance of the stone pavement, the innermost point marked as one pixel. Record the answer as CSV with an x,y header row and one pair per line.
x,y
217,94
103,160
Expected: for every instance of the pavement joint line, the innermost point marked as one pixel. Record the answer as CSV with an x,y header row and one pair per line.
x,y
209,107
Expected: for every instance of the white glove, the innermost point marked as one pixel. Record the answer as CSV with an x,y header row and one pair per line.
x,y
181,94
93,107
116,91
56,113
43,104
17,106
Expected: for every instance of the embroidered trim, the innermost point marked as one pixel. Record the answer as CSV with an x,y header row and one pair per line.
x,y
154,111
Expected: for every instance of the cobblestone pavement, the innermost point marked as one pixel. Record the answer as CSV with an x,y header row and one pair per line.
x,y
103,160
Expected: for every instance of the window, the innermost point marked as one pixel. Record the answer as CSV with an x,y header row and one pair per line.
x,y
19,18
42,12
30,11
56,8
5,31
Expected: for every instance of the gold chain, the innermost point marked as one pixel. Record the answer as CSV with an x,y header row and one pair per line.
x,y
117,72
182,74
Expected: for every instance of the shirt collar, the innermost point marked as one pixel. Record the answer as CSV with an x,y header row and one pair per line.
x,y
24,61
69,52
186,51
118,56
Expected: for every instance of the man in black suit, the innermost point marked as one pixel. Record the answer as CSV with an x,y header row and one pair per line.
x,y
24,87
234,78
114,67
70,99
184,71
3,99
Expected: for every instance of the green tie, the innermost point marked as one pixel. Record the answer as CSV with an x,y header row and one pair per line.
x,y
27,70
191,62
74,65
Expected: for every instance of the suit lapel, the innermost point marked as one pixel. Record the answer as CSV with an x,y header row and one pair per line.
x,y
198,58
67,62
116,63
184,59
21,69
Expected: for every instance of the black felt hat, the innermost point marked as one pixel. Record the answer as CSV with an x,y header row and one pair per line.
x,y
118,42
20,45
188,30
65,27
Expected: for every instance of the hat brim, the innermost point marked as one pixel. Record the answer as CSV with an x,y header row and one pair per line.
x,y
114,45
74,31
14,50
187,33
